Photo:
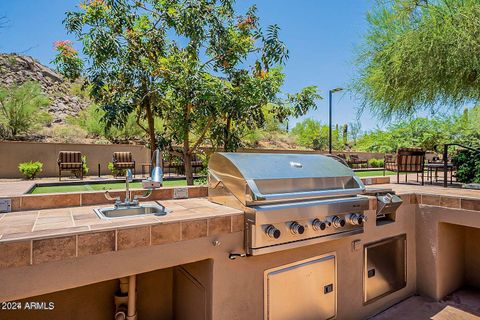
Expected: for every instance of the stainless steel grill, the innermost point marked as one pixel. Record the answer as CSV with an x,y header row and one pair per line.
x,y
289,200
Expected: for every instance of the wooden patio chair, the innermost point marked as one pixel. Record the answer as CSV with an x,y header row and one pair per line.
x,y
123,161
355,160
70,161
407,160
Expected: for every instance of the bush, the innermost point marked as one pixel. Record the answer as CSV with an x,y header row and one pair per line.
x,y
66,133
375,163
22,108
114,171
468,166
91,120
30,169
84,167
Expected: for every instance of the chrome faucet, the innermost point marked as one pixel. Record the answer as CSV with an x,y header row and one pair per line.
x,y
153,182
127,202
128,179
156,175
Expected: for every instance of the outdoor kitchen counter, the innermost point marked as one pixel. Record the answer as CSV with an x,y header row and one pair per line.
x,y
466,199
32,237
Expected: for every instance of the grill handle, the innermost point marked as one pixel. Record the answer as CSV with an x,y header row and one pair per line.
x,y
258,196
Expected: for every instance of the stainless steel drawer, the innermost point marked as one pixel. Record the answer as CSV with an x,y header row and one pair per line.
x,y
304,290
385,269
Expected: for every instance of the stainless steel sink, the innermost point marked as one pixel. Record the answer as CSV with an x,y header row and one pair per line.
x,y
121,212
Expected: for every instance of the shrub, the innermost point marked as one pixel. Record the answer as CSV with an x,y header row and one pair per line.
x,y
91,120
22,108
30,169
468,166
66,133
376,163
116,172
84,168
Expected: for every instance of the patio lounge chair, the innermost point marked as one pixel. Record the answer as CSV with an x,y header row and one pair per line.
x,y
122,161
355,160
70,161
407,160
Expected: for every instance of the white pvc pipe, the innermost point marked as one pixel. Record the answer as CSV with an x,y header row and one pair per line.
x,y
131,311
120,315
124,285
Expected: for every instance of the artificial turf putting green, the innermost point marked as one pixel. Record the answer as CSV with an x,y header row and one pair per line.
x,y
374,173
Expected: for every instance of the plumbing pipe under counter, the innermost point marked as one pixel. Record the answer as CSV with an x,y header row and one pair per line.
x,y
125,301
132,293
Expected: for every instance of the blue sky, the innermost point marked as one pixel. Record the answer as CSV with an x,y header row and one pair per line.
x,y
321,36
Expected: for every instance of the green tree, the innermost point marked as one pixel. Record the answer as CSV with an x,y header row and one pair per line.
x,y
215,95
255,102
183,61
124,41
67,61
420,55
307,131
312,134
21,108
355,128
419,132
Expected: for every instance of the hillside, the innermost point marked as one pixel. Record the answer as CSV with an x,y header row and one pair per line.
x,y
67,100
17,69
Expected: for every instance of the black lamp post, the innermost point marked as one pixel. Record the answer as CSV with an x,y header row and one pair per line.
x,y
330,117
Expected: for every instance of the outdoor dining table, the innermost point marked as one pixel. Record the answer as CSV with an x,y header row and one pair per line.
x,y
438,166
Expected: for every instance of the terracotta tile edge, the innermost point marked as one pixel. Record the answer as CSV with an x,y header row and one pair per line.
x,y
81,195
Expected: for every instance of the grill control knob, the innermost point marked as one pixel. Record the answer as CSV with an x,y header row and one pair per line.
x,y
356,219
318,225
337,222
297,228
272,232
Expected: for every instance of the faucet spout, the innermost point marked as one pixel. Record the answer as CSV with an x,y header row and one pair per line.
x,y
128,179
156,176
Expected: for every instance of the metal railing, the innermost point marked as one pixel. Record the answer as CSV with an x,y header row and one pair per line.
x,y
445,158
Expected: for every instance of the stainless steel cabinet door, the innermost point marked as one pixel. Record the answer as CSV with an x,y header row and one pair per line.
x,y
304,290
385,267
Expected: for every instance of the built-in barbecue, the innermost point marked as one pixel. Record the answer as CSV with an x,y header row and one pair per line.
x,y
289,200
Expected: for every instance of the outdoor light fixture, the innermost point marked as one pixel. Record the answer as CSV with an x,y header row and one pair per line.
x,y
330,117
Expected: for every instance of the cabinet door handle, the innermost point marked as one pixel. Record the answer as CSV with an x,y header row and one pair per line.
x,y
328,288
371,273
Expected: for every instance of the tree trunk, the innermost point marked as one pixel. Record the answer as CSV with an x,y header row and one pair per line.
x,y
187,160
187,156
151,126
226,135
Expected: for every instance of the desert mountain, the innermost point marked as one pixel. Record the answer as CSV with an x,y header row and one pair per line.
x,y
17,69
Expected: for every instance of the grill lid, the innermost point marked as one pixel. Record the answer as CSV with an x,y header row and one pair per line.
x,y
265,177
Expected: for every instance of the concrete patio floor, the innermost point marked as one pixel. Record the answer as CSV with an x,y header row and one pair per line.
x,y
463,304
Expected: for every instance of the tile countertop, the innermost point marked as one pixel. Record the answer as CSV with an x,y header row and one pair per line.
x,y
48,223
427,190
